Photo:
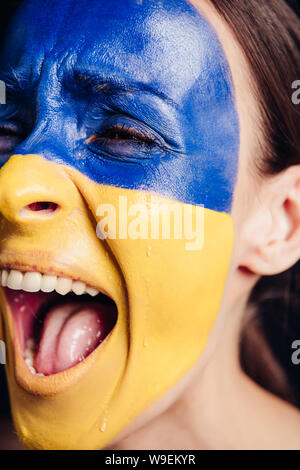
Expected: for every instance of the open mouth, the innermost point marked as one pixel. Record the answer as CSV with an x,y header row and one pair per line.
x,y
59,321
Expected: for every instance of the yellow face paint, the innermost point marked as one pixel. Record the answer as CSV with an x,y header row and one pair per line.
x,y
167,297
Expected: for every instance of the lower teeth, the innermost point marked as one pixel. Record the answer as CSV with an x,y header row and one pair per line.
x,y
29,354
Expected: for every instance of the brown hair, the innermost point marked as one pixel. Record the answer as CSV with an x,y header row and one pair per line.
x,y
269,34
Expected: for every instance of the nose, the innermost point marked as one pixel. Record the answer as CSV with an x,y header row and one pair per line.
x,y
33,189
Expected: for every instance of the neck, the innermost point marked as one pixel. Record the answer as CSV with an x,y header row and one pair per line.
x,y
222,408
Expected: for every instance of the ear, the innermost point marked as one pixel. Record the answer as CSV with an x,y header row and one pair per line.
x,y
271,234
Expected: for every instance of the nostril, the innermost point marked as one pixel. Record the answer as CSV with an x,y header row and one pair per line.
x,y
43,208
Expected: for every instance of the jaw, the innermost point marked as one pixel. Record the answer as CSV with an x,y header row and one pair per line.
x,y
166,302
54,409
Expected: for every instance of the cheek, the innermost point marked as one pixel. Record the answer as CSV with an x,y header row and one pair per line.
x,y
167,285
174,287
247,200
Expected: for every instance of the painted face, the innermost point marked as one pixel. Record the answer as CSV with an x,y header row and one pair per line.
x,y
120,103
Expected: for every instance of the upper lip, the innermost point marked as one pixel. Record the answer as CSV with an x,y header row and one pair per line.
x,y
79,285
53,271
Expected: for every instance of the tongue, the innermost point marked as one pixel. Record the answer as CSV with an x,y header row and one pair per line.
x,y
70,333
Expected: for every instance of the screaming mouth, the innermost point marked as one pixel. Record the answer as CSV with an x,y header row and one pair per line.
x,y
59,322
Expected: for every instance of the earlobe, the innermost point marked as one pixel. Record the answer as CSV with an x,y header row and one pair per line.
x,y
271,235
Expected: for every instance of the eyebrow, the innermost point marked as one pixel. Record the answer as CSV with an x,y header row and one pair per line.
x,y
17,80
92,81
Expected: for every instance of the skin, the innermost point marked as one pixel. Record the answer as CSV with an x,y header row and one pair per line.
x,y
232,412
184,155
88,73
259,246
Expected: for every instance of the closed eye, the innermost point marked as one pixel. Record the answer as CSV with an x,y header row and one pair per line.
x,y
10,137
121,134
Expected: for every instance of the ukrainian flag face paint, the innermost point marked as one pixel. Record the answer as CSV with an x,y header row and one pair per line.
x,y
116,105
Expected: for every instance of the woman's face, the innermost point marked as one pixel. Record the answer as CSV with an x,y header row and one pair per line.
x,y
112,106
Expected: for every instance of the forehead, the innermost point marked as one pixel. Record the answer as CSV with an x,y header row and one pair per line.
x,y
166,41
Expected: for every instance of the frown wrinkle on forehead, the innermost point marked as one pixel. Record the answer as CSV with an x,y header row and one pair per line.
x,y
126,37
164,46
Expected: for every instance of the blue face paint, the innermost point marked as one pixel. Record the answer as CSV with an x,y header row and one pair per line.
x,y
132,94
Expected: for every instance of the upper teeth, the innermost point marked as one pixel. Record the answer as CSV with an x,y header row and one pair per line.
x,y
35,282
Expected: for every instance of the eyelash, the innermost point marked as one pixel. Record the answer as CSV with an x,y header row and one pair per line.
x,y
122,134
8,131
11,135
113,135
